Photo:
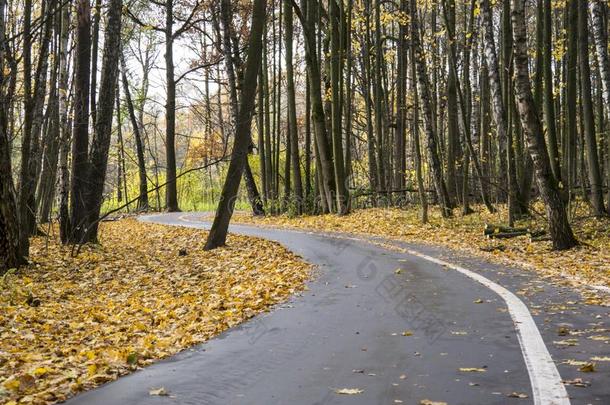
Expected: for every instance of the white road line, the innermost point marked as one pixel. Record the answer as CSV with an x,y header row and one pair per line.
x,y
546,382
544,376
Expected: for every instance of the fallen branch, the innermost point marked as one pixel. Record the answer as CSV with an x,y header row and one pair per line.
x,y
507,232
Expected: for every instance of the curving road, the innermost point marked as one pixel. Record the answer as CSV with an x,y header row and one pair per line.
x,y
399,336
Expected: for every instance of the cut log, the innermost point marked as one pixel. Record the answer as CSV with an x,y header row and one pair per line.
x,y
538,234
539,238
493,248
506,235
506,232
491,229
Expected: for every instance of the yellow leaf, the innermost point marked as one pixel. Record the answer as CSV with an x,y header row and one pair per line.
x,y
40,371
91,369
349,391
159,392
587,368
12,384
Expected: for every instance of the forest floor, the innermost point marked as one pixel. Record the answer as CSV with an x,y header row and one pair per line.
x,y
144,293
587,264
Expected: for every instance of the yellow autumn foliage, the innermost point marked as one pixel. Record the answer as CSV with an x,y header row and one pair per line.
x,y
71,323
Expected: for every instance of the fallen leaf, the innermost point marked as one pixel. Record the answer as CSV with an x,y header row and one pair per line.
x,y
91,369
577,382
130,300
567,342
428,402
587,368
11,384
158,392
348,391
472,370
40,371
573,362
517,395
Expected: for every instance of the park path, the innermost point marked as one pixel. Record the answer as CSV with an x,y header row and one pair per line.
x,y
400,326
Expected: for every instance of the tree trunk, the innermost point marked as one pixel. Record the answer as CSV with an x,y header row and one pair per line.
x,y
64,149
292,113
143,189
595,180
366,93
231,64
453,132
570,137
218,234
498,107
318,117
171,190
337,110
103,125
80,143
377,99
423,200
11,252
466,114
549,106
559,227
601,45
52,137
424,93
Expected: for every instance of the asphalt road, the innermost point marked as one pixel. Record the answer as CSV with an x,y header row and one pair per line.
x,y
398,336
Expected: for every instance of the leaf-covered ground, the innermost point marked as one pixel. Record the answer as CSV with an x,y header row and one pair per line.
x,y
587,264
147,291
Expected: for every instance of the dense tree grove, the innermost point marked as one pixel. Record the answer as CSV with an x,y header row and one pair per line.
x,y
109,105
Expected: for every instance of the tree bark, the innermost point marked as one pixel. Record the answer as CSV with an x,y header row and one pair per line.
x,y
549,106
595,178
601,46
64,149
366,93
80,143
559,227
231,64
11,252
218,234
292,111
103,124
342,195
498,107
423,200
424,93
143,188
171,190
